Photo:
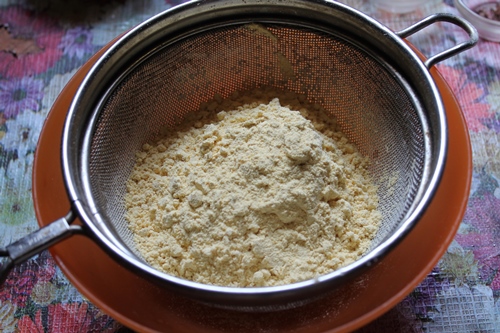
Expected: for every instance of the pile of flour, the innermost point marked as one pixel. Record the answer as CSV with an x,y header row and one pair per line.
x,y
259,195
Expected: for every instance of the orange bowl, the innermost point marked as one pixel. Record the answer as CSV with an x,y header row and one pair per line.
x,y
145,307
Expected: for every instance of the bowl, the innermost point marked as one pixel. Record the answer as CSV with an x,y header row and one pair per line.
x,y
484,15
145,307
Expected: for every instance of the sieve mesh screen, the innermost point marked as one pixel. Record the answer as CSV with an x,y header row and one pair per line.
x,y
373,106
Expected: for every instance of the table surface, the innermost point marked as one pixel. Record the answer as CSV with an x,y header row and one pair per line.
x,y
43,43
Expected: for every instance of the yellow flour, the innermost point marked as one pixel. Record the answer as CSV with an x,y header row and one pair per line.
x,y
259,196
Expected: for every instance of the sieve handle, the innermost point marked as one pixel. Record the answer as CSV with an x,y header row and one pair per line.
x,y
36,242
443,17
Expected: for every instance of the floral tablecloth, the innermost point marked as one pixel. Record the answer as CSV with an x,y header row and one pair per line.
x,y
43,43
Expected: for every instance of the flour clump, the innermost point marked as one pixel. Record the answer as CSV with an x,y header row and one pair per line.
x,y
252,194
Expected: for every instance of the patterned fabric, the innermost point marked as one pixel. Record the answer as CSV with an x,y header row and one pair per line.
x,y
43,43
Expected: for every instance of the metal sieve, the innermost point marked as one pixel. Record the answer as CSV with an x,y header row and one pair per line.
x,y
361,72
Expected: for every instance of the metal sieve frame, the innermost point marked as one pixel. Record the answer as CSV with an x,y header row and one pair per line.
x,y
191,18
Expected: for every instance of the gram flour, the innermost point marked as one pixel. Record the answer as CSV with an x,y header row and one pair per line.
x,y
259,196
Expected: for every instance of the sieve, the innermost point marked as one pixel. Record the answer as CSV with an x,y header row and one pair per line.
x,y
362,73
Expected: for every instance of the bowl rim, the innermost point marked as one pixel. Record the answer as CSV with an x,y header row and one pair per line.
x,y
463,8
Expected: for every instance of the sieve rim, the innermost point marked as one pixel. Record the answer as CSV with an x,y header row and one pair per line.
x,y
75,170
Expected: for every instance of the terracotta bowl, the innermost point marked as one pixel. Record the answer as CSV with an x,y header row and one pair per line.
x,y
145,307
